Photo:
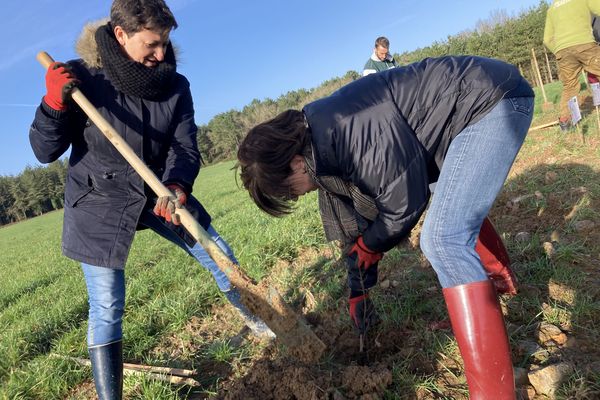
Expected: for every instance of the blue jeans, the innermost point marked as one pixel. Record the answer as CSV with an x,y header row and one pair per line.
x,y
106,286
473,173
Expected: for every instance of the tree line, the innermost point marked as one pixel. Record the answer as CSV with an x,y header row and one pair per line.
x,y
35,191
500,36
510,38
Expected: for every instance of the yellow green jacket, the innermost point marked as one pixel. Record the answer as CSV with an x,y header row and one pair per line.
x,y
569,23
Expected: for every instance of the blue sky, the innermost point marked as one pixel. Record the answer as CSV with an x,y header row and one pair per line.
x,y
231,51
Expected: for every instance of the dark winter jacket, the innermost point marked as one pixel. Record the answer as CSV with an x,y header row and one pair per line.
x,y
388,133
104,196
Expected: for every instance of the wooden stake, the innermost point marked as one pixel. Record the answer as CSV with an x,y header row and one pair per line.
x,y
549,124
165,374
580,131
548,65
598,118
538,75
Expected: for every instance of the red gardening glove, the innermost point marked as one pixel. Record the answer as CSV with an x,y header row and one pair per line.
x,y
362,312
59,83
166,205
592,78
366,257
494,259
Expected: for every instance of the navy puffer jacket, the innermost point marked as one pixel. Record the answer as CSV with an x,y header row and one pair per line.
x,y
104,196
388,133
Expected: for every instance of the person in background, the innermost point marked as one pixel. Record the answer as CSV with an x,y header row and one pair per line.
x,y
372,149
381,59
569,36
128,72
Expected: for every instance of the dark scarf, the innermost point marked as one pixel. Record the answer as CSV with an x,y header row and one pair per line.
x,y
345,210
131,77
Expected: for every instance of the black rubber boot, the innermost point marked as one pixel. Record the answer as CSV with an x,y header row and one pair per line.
x,y
107,367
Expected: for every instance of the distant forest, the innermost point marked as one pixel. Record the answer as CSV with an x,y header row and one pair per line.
x,y
511,38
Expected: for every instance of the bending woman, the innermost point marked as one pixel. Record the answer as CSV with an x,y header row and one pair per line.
x,y
373,148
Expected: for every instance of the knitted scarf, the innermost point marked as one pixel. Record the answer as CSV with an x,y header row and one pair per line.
x,y
345,210
131,77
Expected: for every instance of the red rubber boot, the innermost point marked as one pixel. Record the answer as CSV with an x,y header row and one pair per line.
x,y
479,329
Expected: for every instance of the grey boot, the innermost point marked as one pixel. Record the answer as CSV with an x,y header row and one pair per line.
x,y
107,367
256,325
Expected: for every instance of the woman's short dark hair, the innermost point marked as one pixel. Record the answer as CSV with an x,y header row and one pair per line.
x,y
136,15
264,158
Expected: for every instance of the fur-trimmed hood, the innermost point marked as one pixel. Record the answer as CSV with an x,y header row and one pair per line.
x,y
86,45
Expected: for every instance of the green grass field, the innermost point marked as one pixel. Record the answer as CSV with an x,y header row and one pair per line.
x,y
176,317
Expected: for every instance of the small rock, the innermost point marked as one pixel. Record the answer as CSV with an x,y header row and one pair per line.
x,y
385,284
555,237
550,177
523,237
549,249
547,379
395,283
585,225
538,195
548,332
533,351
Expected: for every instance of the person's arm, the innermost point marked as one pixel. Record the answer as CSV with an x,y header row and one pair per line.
x,y
183,158
55,121
393,171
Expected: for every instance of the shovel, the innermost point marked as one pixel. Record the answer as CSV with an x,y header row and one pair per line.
x,y
265,302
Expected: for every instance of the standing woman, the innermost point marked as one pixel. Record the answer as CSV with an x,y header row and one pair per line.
x,y
373,148
128,71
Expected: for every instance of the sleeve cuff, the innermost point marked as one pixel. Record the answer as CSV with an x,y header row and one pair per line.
x,y
52,113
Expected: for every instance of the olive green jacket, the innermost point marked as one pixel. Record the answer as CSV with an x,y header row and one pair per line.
x,y
569,23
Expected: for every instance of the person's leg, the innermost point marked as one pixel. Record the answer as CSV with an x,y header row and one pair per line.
x,y
476,165
256,325
589,57
569,69
106,297
178,236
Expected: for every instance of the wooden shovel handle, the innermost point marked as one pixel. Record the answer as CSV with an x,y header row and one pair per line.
x,y
237,277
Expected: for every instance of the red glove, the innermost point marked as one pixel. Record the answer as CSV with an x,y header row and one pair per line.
x,y
366,257
59,83
592,78
166,205
362,313
494,259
